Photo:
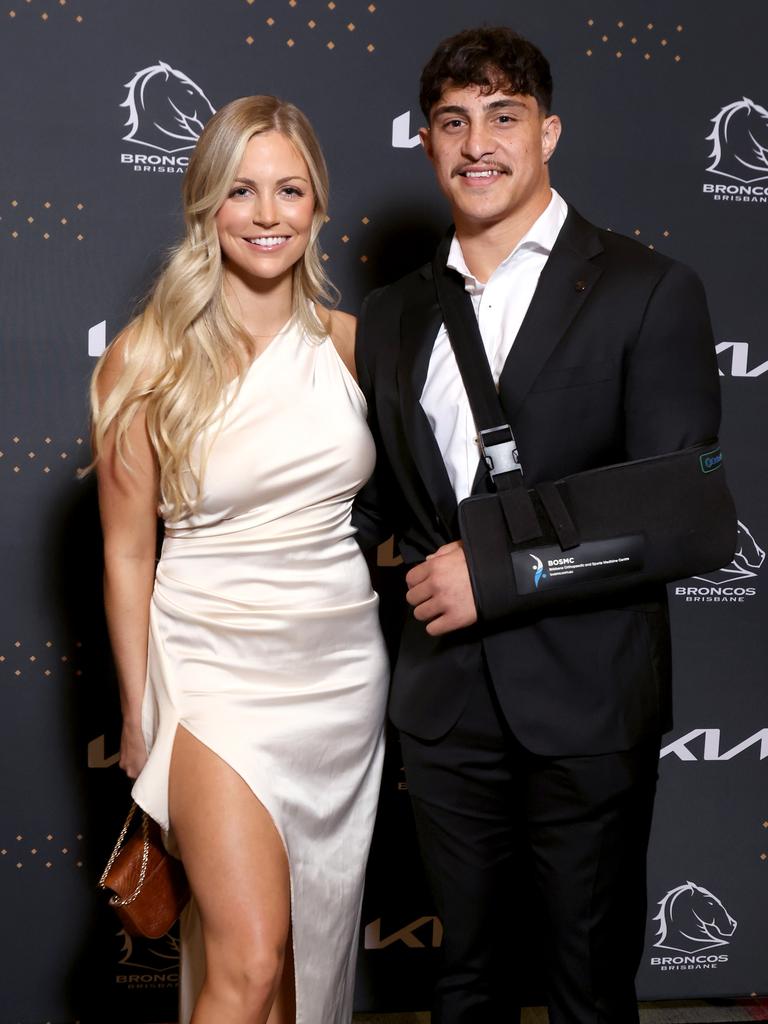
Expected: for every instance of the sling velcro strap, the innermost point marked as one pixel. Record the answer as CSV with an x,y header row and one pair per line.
x,y
518,511
559,516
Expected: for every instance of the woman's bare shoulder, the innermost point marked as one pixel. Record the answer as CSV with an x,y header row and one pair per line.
x,y
124,354
341,327
114,360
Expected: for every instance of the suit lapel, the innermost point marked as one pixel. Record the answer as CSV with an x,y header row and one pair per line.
x,y
419,324
566,281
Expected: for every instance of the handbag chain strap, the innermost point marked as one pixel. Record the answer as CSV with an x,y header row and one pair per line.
x,y
116,900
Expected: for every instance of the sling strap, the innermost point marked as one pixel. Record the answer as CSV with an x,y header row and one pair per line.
x,y
494,434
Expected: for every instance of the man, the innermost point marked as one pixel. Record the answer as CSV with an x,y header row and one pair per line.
x,y
532,740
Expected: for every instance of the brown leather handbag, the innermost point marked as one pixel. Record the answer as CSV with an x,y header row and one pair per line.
x,y
149,887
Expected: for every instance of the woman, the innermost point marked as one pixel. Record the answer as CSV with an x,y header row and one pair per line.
x,y
230,403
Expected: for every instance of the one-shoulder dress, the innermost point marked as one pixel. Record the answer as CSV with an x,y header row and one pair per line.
x,y
265,644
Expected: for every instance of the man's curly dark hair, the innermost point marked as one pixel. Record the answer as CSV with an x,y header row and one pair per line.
x,y
491,58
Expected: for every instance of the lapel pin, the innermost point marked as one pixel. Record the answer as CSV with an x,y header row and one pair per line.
x,y
580,286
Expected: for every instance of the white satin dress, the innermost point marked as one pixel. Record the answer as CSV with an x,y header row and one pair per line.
x,y
265,645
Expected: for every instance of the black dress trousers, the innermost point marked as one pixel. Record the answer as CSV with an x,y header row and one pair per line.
x,y
493,820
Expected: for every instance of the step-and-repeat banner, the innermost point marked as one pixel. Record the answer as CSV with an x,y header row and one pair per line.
x,y
666,140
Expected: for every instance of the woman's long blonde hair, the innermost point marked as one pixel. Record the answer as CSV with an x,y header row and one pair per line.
x,y
180,352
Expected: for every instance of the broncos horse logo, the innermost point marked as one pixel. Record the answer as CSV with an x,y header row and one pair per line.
x,y
740,142
166,110
691,919
158,959
748,559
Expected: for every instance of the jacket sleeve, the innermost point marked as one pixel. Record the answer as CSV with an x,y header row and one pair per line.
x,y
672,390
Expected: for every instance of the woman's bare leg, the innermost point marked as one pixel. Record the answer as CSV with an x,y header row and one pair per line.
x,y
238,872
284,1006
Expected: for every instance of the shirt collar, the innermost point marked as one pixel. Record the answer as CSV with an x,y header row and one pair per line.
x,y
540,237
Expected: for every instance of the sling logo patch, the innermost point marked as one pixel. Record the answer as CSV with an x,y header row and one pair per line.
x,y
710,461
546,567
538,571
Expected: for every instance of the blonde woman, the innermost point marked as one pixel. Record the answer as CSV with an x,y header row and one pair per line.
x,y
251,667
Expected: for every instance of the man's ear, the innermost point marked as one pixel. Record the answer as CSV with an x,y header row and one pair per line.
x,y
551,128
426,141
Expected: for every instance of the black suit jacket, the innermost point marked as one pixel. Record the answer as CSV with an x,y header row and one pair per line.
x,y
614,361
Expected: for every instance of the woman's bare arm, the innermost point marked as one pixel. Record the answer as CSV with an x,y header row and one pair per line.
x,y
128,498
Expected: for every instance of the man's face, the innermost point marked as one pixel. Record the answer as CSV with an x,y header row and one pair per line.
x,y
490,154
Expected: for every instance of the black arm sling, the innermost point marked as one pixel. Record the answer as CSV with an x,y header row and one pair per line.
x,y
585,536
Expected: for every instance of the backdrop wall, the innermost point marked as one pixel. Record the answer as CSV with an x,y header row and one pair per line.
x,y
666,139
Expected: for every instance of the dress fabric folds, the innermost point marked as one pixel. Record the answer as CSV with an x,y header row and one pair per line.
x,y
265,645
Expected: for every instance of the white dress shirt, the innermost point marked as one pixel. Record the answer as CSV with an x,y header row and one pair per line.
x,y
500,306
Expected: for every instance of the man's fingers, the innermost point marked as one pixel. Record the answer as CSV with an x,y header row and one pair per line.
x,y
447,549
417,574
427,610
446,623
439,591
420,572
439,626
416,595
434,609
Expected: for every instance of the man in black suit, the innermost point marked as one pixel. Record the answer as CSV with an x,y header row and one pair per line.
x,y
530,744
